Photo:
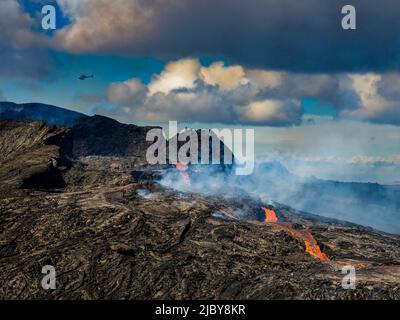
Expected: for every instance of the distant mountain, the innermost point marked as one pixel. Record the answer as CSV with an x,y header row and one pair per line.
x,y
275,169
37,111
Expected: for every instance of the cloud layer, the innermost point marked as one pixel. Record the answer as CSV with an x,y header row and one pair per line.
x,y
23,53
188,91
300,36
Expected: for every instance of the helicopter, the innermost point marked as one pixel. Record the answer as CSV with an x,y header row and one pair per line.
x,y
84,77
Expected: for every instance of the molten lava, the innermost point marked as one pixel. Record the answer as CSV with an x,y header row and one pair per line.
x,y
126,187
185,175
305,235
314,249
311,244
270,215
228,214
181,167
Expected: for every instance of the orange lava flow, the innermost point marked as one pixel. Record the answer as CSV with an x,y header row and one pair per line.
x,y
228,214
312,247
182,168
270,215
311,244
126,187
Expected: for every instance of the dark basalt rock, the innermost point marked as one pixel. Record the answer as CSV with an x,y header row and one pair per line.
x,y
33,154
102,136
109,242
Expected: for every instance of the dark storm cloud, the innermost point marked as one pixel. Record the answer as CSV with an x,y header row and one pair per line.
x,y
301,36
23,53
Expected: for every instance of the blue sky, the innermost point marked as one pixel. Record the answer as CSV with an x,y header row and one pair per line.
x,y
64,78
228,65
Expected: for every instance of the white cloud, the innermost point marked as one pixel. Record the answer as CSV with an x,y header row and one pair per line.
x,y
365,86
103,25
264,78
226,78
185,90
375,104
180,74
274,112
127,92
73,8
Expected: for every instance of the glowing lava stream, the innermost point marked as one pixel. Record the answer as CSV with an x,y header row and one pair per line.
x,y
183,168
228,214
312,247
270,215
311,244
